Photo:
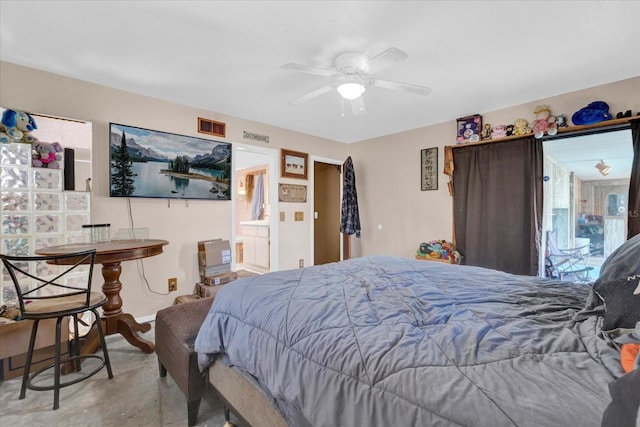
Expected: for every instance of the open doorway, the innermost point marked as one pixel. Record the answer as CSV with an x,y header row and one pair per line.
x,y
254,230
326,215
585,210
327,196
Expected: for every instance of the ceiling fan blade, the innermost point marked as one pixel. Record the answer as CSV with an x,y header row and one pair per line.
x,y
312,94
309,70
385,59
357,106
406,87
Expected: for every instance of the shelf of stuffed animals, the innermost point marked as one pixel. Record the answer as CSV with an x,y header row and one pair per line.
x,y
569,129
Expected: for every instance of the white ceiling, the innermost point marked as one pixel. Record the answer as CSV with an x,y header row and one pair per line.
x,y
580,154
226,56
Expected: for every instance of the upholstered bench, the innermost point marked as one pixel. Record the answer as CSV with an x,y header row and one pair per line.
x,y
176,329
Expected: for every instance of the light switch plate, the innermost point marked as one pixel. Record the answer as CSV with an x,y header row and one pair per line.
x,y
299,216
281,216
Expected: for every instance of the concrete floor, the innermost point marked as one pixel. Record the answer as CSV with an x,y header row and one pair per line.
x,y
135,396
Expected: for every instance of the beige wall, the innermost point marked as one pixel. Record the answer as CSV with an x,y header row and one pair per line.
x,y
181,224
387,173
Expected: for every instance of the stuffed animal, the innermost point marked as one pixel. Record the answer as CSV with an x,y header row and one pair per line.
x,y
561,121
4,137
17,127
510,130
439,250
498,132
544,122
486,132
521,127
45,155
596,112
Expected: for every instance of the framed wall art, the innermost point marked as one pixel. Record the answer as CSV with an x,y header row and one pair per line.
x,y
293,164
429,169
469,129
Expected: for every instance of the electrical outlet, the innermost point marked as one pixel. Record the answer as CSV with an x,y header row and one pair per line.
x,y
301,263
173,284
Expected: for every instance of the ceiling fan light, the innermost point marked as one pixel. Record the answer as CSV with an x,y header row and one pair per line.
x,y
351,91
603,168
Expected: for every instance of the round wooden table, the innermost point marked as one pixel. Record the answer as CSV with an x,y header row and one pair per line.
x,y
110,255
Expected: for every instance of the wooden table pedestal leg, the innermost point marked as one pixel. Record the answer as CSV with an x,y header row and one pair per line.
x,y
114,321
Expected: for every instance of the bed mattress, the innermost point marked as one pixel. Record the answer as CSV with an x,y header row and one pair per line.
x,y
389,341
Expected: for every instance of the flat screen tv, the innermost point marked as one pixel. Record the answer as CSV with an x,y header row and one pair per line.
x,y
150,163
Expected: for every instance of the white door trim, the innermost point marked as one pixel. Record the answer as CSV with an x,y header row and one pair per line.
x,y
272,155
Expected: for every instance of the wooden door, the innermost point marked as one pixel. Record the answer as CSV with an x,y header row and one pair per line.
x,y
326,202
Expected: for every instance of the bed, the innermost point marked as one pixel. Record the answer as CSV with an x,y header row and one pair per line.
x,y
385,341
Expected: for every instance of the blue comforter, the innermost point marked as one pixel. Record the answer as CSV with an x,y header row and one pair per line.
x,y
383,341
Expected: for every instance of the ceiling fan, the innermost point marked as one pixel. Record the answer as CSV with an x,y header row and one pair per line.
x,y
353,73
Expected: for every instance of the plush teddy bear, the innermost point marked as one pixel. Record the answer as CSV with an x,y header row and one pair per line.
x,y
45,155
17,127
498,131
510,130
544,122
521,127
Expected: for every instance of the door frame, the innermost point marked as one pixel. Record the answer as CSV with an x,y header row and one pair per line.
x,y
310,197
272,156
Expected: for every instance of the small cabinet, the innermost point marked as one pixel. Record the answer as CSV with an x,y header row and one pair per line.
x,y
262,247
255,241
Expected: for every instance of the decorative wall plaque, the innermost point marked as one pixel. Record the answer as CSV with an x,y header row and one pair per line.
x,y
292,193
255,136
429,168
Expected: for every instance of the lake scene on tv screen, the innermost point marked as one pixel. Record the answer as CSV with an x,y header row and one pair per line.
x,y
149,163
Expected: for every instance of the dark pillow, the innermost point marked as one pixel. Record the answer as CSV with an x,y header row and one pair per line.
x,y
625,400
621,302
623,262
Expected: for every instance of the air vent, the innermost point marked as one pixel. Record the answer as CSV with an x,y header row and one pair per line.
x,y
211,127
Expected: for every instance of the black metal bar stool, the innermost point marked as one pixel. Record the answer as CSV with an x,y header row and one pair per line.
x,y
57,287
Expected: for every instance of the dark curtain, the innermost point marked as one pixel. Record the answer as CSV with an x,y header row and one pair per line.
x,y
498,204
633,225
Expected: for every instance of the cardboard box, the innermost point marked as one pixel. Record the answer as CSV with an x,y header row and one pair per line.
x,y
214,270
14,336
206,291
219,279
14,342
239,252
214,252
13,367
